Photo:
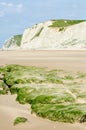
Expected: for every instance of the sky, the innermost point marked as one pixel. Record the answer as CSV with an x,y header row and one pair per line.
x,y
17,15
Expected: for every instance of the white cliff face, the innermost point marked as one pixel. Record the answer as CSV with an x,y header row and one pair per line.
x,y
43,37
32,36
10,44
13,43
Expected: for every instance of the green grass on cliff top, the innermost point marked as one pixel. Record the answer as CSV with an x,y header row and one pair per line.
x,y
65,23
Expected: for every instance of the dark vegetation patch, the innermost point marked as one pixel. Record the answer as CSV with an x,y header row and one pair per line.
x,y
37,34
19,120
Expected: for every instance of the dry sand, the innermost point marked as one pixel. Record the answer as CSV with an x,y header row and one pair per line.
x,y
67,60
10,109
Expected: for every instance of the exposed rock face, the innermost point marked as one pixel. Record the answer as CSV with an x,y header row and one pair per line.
x,y
47,36
13,43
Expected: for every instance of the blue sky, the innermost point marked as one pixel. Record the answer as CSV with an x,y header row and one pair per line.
x,y
16,15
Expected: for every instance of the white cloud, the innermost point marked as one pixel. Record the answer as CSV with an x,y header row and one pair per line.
x,y
10,8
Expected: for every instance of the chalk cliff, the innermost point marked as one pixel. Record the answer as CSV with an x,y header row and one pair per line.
x,y
52,35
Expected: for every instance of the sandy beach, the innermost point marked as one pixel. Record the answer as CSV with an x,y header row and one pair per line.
x,y
10,109
68,60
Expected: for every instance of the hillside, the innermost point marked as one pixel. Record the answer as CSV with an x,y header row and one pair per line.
x,y
52,35
13,43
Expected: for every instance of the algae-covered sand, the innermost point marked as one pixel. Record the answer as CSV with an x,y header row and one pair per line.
x,y
49,98
53,94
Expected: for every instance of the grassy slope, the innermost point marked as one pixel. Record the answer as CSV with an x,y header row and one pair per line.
x,y
65,23
16,39
56,95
